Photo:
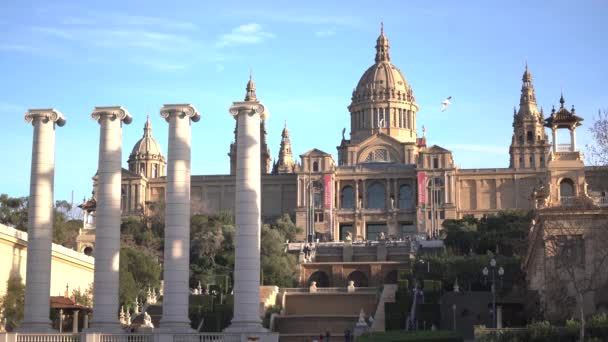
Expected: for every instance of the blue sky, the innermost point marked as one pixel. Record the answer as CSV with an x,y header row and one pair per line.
x,y
306,58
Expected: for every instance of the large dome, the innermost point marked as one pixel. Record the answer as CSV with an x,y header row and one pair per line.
x,y
383,80
147,147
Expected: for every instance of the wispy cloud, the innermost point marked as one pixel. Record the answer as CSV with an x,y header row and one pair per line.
x,y
302,18
325,33
246,34
18,47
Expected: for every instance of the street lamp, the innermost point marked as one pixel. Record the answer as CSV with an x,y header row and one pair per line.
x,y
493,272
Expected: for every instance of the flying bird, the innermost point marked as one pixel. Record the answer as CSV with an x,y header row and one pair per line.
x,y
446,103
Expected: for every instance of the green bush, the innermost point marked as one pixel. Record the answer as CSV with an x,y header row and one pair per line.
x,y
403,284
404,274
411,336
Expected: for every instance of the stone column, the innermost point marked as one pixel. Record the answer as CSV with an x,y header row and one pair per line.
x,y
177,218
75,322
247,211
107,232
554,132
40,220
573,138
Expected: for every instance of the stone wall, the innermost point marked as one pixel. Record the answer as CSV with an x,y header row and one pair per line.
x,y
68,267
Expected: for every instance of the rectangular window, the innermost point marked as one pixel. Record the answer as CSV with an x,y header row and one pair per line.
x,y
436,162
375,231
442,215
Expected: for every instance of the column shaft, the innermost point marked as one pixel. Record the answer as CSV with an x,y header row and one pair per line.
x,y
40,227
177,225
107,232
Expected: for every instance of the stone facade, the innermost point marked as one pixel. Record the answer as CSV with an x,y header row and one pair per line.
x,y
387,179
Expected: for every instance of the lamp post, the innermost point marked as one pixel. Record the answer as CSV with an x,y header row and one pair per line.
x,y
492,272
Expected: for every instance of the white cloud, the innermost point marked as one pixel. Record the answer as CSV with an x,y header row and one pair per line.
x,y
325,33
246,34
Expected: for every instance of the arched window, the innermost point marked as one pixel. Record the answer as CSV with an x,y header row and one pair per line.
x,y
317,200
154,170
347,198
405,197
376,196
521,139
315,167
530,137
566,188
358,278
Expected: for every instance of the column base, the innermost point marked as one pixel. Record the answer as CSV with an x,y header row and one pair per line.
x,y
105,327
36,327
246,327
168,327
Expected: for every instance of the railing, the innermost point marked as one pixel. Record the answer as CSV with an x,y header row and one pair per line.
x,y
567,200
601,201
564,148
48,337
126,338
207,337
331,290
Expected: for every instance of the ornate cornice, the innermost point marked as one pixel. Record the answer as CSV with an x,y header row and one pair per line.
x,y
250,108
45,114
113,113
181,110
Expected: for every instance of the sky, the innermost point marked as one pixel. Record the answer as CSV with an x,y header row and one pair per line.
x,y
306,58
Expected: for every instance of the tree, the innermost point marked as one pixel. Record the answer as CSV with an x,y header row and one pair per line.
x,y
13,211
279,267
84,297
138,271
13,303
597,153
577,251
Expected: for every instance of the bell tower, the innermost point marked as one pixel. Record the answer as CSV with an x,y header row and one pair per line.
x,y
529,145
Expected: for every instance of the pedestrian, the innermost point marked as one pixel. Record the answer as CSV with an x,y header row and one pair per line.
x,y
327,335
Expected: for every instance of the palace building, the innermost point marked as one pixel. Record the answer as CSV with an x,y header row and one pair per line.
x,y
388,180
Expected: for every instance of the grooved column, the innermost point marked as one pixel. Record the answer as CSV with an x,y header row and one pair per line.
x,y
177,218
247,211
40,220
107,232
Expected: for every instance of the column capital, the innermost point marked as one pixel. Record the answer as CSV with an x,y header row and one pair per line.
x,y
250,108
113,112
45,114
180,109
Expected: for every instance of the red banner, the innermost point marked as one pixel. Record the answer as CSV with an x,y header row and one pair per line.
x,y
329,192
421,188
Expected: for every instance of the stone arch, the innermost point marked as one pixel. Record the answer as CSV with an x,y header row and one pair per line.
x,y
406,196
359,278
320,277
88,250
393,154
566,188
391,277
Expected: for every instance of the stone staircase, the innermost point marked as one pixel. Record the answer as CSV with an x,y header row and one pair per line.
x,y
306,315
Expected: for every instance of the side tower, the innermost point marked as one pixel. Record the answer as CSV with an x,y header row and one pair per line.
x,y
146,158
529,145
265,159
285,164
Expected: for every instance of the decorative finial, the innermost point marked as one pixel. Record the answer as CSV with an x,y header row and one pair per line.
x,y
526,64
285,124
250,88
382,27
423,131
148,127
561,100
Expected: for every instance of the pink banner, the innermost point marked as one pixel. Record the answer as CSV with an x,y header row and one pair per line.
x,y
421,188
329,193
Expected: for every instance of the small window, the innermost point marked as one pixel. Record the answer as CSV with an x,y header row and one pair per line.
x,y
436,163
530,137
315,167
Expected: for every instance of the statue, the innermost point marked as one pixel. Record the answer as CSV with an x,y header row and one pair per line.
x,y
456,287
361,320
122,316
349,237
343,132
199,288
128,318
147,321
137,310
351,286
313,287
